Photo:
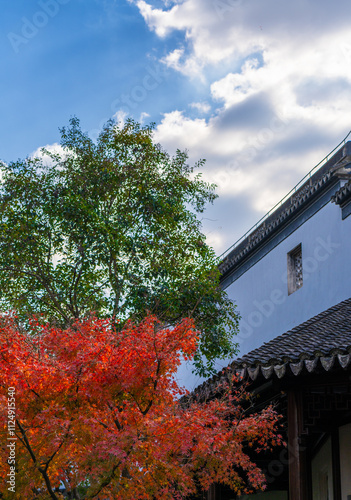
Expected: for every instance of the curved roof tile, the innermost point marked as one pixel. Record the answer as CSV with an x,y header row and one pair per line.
x,y
321,343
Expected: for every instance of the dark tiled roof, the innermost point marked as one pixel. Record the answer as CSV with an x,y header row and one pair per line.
x,y
321,343
343,194
318,336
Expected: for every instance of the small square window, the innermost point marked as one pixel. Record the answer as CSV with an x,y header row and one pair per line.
x,y
295,276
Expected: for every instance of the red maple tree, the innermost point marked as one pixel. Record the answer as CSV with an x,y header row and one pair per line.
x,y
98,413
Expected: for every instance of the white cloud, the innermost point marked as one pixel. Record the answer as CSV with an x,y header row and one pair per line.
x,y
188,66
55,149
257,165
201,107
236,87
279,87
143,117
215,239
162,22
217,29
120,117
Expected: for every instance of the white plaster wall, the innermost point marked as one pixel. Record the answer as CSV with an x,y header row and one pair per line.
x,y
261,292
345,461
322,473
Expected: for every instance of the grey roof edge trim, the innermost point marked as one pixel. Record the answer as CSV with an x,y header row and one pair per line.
x,y
304,366
316,365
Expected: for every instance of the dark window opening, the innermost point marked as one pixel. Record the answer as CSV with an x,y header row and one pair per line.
x,y
295,275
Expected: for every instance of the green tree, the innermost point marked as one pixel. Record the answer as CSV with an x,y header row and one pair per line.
x,y
111,227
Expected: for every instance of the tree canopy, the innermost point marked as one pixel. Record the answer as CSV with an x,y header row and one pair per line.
x,y
111,226
98,413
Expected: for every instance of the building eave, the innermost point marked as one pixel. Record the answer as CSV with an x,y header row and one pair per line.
x,y
296,204
320,345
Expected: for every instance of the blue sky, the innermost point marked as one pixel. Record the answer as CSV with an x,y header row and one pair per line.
x,y
260,88
80,62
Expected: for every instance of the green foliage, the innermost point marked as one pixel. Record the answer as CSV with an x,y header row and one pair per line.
x,y
111,227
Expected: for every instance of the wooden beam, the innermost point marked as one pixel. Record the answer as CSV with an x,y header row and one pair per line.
x,y
298,478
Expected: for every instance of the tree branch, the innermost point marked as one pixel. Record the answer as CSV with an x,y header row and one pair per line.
x,y
42,471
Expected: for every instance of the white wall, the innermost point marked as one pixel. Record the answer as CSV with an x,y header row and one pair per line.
x,y
261,292
322,474
345,461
